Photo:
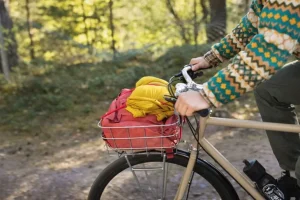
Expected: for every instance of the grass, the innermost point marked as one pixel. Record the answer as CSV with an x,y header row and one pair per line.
x,y
72,90
40,97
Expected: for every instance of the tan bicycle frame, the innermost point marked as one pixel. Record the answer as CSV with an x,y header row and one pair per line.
x,y
241,178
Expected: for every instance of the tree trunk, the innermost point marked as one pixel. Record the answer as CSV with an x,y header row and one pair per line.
x,y
30,35
112,28
4,62
205,11
196,24
7,5
247,5
10,44
178,21
216,28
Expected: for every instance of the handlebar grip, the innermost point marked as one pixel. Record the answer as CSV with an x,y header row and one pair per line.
x,y
203,113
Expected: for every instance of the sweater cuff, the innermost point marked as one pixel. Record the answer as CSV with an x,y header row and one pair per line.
x,y
210,96
212,59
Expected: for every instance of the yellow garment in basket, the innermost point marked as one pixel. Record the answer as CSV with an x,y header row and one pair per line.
x,y
148,98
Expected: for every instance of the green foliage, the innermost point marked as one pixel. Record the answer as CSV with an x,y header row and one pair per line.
x,y
63,89
175,58
79,31
40,93
74,67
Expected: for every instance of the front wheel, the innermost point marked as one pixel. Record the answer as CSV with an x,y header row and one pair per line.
x,y
152,177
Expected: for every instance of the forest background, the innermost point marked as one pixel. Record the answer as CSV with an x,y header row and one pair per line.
x,y
64,59
62,63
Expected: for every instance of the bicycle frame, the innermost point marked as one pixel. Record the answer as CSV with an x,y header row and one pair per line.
x,y
240,178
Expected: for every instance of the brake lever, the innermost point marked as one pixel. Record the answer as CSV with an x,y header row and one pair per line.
x,y
191,73
170,98
199,74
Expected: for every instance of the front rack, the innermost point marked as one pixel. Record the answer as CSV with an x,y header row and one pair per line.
x,y
137,138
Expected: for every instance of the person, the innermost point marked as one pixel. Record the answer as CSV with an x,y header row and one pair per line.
x,y
259,46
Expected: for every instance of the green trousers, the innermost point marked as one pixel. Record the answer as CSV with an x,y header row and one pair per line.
x,y
275,99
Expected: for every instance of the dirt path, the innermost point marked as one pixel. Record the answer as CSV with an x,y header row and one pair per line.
x,y
65,167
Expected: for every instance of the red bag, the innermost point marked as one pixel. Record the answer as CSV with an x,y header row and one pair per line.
x,y
122,131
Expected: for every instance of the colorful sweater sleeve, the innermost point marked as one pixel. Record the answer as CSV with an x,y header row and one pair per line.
x,y
266,53
237,40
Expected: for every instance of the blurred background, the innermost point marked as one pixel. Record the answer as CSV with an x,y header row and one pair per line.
x,y
62,62
68,56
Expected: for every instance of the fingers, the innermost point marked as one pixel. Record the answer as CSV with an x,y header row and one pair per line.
x,y
180,107
194,61
189,112
183,108
195,64
198,63
195,67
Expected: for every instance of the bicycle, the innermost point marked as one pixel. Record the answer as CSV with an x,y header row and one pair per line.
x,y
196,169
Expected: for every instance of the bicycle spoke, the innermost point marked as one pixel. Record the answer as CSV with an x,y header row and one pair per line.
x,y
165,172
155,181
136,178
150,183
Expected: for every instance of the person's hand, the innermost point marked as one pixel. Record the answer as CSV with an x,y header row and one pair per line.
x,y
198,63
189,102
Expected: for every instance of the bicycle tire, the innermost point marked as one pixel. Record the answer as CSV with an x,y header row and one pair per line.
x,y
203,168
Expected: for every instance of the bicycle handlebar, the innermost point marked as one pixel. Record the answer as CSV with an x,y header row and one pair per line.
x,y
189,80
185,74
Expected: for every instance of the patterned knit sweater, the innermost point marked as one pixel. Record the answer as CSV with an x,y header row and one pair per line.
x,y
260,45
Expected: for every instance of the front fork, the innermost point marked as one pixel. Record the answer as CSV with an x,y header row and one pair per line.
x,y
192,160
